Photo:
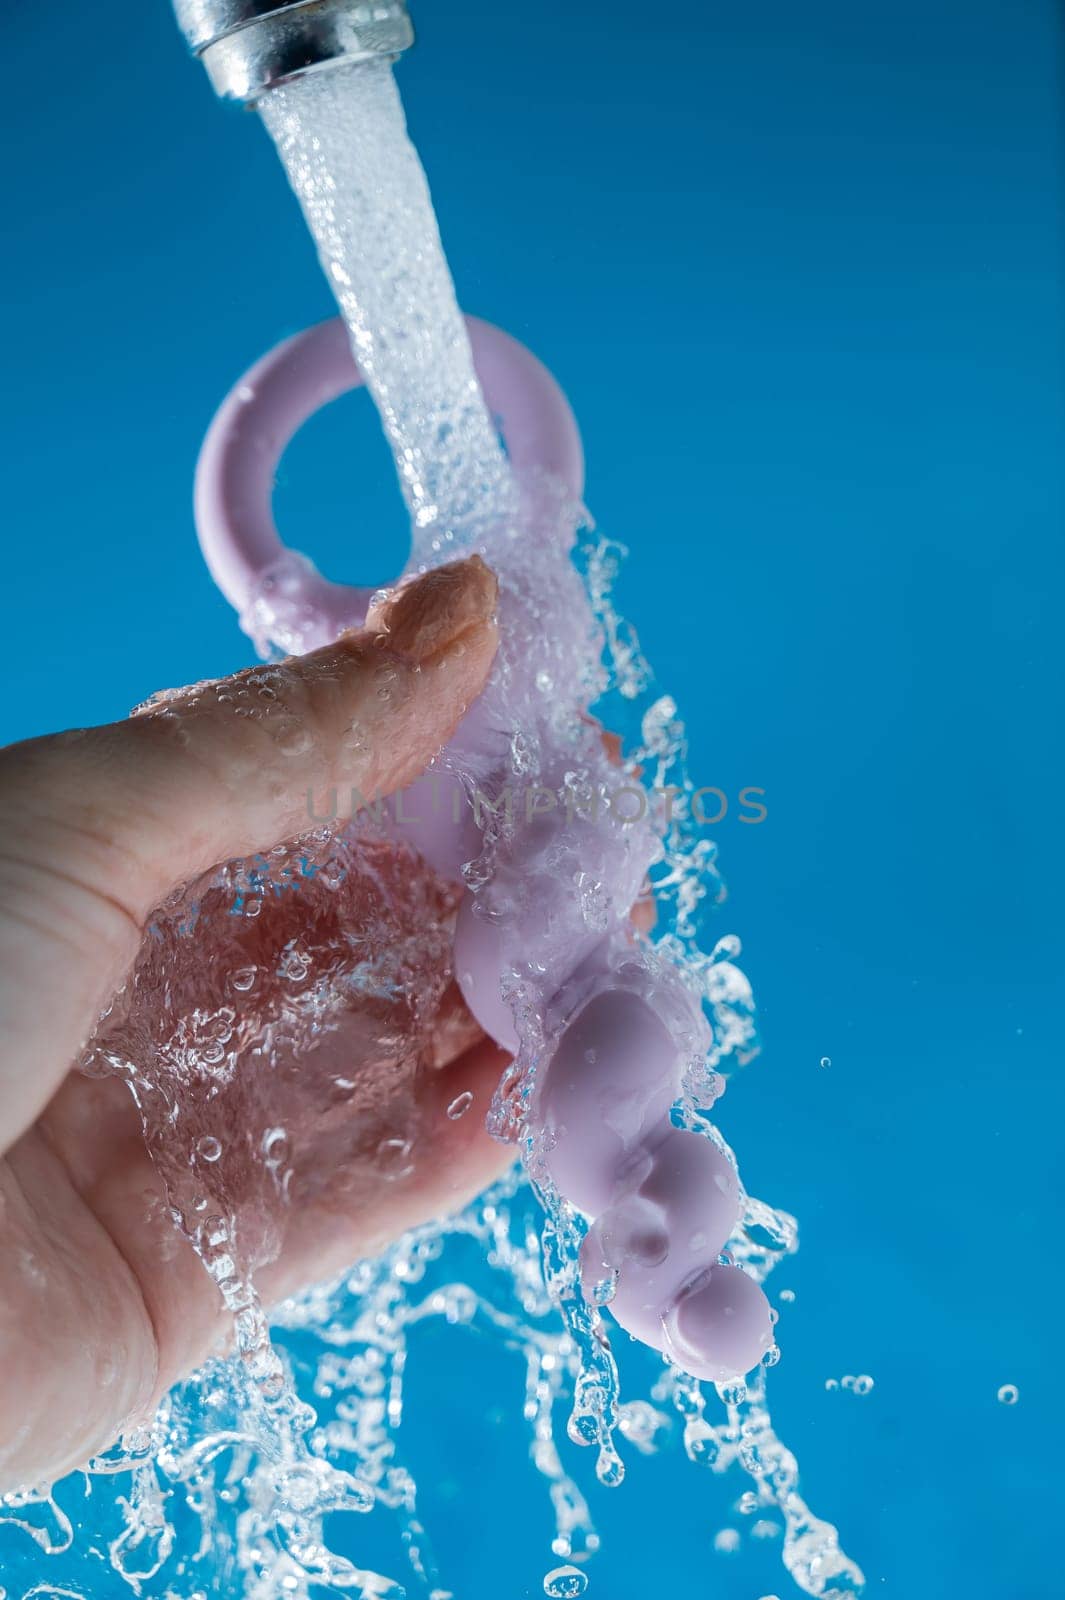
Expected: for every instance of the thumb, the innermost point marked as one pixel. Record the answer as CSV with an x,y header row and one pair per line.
x,y
97,826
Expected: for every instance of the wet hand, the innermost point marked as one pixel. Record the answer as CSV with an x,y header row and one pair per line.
x,y
103,1305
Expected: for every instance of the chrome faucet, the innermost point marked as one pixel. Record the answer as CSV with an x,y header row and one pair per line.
x,y
249,46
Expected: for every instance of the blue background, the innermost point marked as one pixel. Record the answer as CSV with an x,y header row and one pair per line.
x,y
800,270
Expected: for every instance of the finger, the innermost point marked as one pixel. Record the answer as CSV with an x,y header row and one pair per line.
x,y
79,1353
644,913
97,826
113,1306
455,1029
453,1158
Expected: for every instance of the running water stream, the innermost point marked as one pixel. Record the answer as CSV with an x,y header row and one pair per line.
x,y
235,1037
343,139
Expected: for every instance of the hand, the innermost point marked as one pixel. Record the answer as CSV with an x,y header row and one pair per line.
x,y
103,1304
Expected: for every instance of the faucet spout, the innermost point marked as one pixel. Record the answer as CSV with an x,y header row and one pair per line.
x,y
249,46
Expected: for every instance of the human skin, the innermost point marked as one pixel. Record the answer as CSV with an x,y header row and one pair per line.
x,y
103,1305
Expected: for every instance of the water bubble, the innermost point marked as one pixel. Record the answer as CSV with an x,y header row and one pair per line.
x,y
565,1583
275,1146
460,1105
208,1148
294,964
394,1159
787,1296
244,978
863,1383
831,1383
727,1541
1009,1394
826,1061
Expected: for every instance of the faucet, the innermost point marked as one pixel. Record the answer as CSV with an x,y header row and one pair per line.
x,y
250,46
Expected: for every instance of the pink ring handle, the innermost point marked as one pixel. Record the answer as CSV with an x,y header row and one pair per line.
x,y
238,462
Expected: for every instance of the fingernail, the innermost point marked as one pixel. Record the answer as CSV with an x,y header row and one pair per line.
x,y
430,614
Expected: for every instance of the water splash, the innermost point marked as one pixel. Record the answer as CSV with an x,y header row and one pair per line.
x,y
277,1071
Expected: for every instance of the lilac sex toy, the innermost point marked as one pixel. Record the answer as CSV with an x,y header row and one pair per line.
x,y
544,952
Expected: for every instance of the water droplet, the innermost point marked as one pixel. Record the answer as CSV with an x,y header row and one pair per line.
x,y
565,1583
609,1467
293,965
700,1442
275,1146
1009,1394
604,1291
244,977
460,1105
394,1159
